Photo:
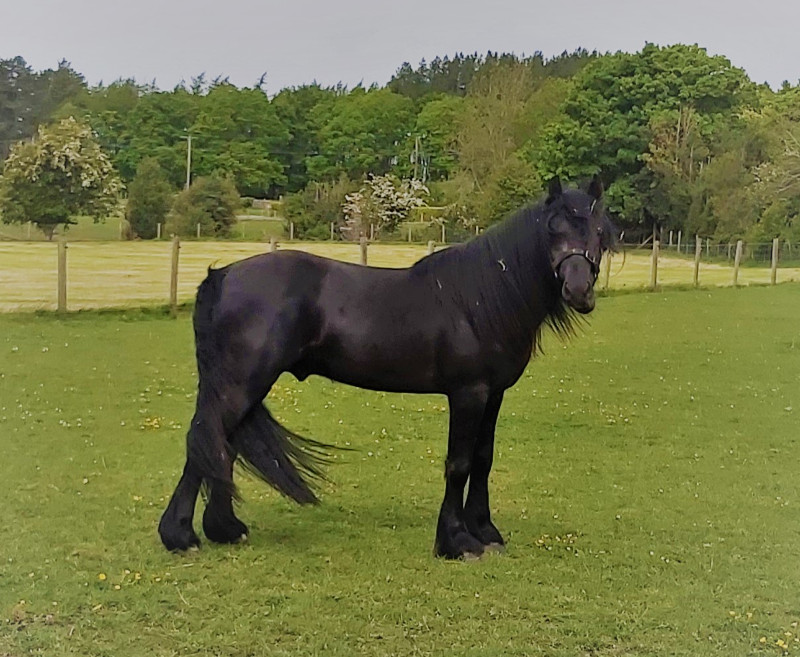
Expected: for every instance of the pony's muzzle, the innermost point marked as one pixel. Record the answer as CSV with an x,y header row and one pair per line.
x,y
577,287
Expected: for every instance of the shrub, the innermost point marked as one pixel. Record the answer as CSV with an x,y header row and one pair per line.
x,y
149,199
211,202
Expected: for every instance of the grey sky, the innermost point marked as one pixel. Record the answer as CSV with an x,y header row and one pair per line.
x,y
352,41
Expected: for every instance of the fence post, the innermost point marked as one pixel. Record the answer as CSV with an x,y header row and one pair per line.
x,y
773,275
409,233
737,261
698,250
708,247
431,246
273,244
30,223
173,277
363,250
654,266
670,240
607,272
198,231
62,275
332,232
679,241
291,231
158,231
444,236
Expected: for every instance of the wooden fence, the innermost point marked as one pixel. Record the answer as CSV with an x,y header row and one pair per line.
x,y
362,249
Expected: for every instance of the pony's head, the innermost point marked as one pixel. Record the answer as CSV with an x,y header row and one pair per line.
x,y
579,234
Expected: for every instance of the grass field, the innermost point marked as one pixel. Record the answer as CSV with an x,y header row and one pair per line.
x,y
645,478
130,274
87,230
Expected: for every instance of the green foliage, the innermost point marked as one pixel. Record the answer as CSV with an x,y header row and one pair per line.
x,y
157,126
62,173
301,109
384,202
319,205
234,134
431,149
619,109
149,199
211,201
28,99
358,134
681,139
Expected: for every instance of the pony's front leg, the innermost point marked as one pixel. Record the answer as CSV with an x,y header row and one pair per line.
x,y
453,539
175,527
476,508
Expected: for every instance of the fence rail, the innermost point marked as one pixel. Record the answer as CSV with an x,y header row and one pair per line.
x,y
70,276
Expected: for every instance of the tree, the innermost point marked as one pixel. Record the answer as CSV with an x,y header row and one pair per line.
x,y
384,201
149,199
236,133
360,133
319,205
211,201
157,126
60,174
431,151
616,108
28,99
297,108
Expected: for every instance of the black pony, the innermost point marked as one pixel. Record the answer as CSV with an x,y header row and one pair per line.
x,y
462,322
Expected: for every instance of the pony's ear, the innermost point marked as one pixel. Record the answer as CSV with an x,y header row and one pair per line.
x,y
553,189
596,188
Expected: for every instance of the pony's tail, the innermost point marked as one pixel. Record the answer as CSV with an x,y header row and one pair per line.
x,y
289,463
203,448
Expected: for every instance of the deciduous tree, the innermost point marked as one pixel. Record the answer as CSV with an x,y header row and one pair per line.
x,y
63,172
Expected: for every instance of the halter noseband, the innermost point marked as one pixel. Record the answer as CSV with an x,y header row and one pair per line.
x,y
584,253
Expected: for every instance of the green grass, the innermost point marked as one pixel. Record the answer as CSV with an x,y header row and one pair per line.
x,y
645,478
87,230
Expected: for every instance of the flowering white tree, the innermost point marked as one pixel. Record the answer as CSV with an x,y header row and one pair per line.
x,y
384,201
62,172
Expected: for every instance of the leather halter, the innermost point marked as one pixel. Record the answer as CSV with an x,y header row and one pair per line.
x,y
584,253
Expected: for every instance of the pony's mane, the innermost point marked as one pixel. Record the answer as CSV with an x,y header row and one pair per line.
x,y
504,280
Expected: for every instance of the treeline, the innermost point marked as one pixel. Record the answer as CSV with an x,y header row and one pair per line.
x,y
681,139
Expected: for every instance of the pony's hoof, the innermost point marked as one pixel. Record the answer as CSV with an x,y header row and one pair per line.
x,y
179,541
231,530
497,548
462,546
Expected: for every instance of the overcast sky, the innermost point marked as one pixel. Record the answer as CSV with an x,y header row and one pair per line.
x,y
300,41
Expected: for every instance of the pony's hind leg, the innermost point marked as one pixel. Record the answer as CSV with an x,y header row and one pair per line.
x,y
220,523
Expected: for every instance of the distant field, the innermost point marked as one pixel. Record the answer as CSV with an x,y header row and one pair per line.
x,y
87,230
112,274
645,478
